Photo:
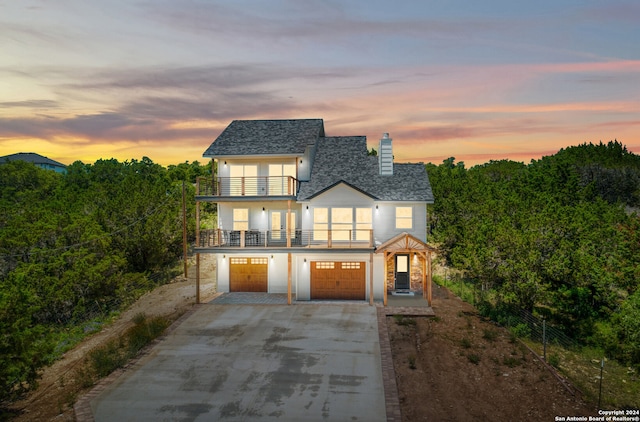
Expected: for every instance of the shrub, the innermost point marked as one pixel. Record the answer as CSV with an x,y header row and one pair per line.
x,y
520,330
473,358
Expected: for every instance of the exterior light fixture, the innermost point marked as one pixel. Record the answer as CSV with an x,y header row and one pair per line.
x,y
225,162
376,207
271,256
263,210
305,260
307,206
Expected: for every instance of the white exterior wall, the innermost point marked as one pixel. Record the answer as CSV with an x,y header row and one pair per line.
x,y
383,217
384,221
258,219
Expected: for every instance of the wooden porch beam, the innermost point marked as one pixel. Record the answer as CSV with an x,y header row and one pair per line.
x,y
384,300
371,278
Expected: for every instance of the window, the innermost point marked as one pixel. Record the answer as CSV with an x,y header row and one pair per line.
x,y
279,179
320,223
350,265
341,223
363,223
279,225
404,217
244,179
324,265
240,219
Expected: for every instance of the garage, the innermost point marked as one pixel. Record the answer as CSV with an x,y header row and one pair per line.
x,y
338,280
248,275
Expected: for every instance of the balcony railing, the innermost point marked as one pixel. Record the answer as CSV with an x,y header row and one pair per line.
x,y
217,238
247,186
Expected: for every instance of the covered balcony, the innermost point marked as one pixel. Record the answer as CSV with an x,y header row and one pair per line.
x,y
282,186
331,239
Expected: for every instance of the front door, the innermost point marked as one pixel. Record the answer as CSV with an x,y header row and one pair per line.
x,y
402,272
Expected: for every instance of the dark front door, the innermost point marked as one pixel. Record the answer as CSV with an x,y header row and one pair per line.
x,y
402,272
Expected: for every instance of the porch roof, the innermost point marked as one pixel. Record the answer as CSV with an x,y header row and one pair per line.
x,y
404,242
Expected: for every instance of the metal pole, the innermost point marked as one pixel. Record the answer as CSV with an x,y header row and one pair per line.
x,y
600,393
184,229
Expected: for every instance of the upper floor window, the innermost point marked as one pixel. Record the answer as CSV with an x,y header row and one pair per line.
x,y
341,223
404,217
244,179
320,223
241,219
363,223
280,182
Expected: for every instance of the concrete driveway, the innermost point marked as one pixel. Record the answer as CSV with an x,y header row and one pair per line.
x,y
311,362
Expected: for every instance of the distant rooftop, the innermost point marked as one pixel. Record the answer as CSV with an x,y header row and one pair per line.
x,y
37,159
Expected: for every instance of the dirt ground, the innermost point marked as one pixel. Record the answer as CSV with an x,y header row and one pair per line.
x,y
458,367
454,367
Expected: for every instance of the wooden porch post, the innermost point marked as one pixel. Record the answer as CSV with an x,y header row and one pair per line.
x,y
289,278
423,255
429,280
197,278
384,301
198,223
371,278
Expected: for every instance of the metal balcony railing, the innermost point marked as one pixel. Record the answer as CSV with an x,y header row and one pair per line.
x,y
214,238
247,186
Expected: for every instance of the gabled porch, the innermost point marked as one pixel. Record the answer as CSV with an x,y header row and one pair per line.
x,y
407,267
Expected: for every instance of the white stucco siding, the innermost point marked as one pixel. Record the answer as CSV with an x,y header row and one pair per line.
x,y
258,219
384,221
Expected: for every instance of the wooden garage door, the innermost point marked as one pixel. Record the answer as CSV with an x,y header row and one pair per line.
x,y
248,274
338,280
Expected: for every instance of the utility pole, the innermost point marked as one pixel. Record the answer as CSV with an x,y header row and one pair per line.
x,y
184,229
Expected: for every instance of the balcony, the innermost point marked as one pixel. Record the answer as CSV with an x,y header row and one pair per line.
x,y
247,186
331,239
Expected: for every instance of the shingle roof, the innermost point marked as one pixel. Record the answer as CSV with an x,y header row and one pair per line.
x,y
266,137
345,159
30,157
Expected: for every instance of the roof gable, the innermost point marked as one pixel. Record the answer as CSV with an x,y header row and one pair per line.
x,y
346,159
337,185
266,137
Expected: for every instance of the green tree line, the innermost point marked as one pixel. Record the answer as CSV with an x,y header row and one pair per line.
x,y
76,242
559,237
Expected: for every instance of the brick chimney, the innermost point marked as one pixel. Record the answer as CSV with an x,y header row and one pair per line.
x,y
385,156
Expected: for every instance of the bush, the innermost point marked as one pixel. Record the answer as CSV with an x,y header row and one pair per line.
x,y
520,330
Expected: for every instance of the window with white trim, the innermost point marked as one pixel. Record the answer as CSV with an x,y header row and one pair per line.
x,y
404,217
341,223
363,223
320,223
240,219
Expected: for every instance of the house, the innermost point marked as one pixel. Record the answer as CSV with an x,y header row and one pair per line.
x,y
314,216
37,159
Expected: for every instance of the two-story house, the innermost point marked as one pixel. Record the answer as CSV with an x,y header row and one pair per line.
x,y
314,216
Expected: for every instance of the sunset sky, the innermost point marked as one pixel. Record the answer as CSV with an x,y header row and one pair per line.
x,y
476,80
